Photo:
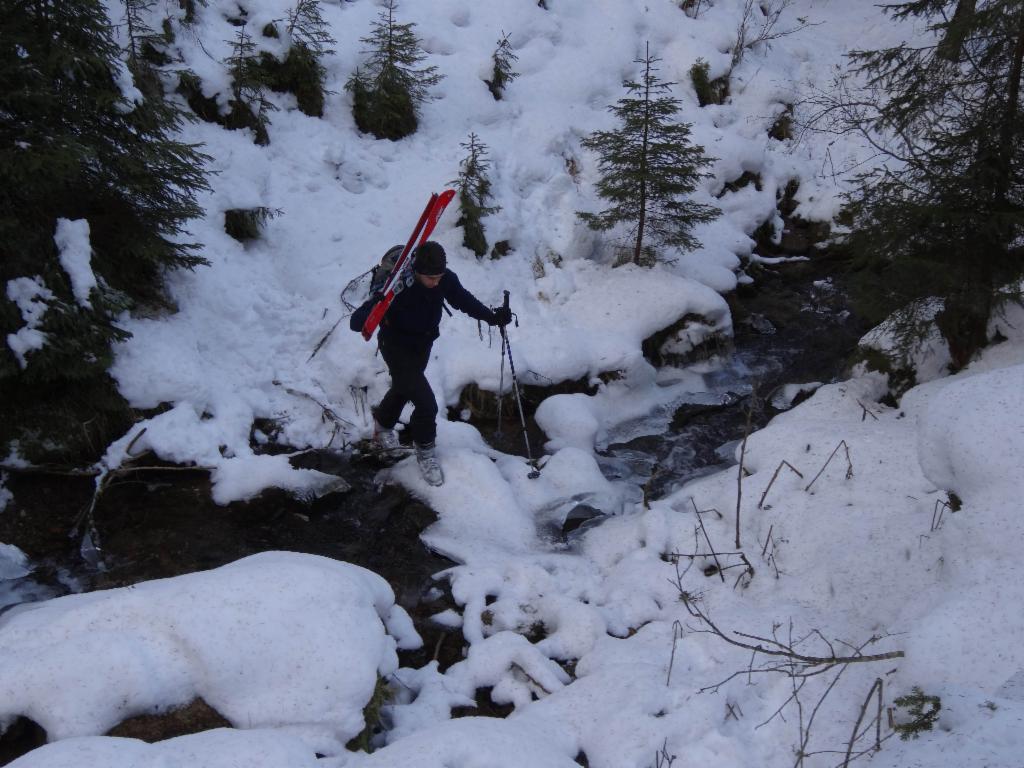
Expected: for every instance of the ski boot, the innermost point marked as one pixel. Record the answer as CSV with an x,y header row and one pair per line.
x,y
430,467
385,440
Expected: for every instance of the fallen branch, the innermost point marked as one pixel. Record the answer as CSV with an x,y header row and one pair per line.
x,y
784,655
328,412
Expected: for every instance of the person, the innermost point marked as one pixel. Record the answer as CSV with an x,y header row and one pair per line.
x,y
406,336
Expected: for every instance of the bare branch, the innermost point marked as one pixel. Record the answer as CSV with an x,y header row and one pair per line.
x,y
772,481
849,463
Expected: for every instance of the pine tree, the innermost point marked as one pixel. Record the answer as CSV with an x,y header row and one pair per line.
x,y
944,213
301,72
388,91
474,187
502,73
249,105
142,39
648,168
78,143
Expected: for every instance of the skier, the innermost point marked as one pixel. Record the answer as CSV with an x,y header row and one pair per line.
x,y
405,338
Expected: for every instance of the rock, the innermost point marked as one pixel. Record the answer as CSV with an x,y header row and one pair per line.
x,y
194,717
578,516
20,738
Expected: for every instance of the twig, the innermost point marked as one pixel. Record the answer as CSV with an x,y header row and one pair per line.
x,y
663,759
941,505
328,413
677,634
806,736
849,463
876,686
743,453
866,412
49,470
748,571
134,440
707,538
788,651
772,481
325,337
767,539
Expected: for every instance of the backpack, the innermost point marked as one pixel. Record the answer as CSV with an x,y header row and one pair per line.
x,y
383,270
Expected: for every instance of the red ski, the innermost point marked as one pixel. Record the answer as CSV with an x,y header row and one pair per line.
x,y
395,282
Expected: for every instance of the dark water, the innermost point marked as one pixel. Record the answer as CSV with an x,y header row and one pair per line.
x,y
793,328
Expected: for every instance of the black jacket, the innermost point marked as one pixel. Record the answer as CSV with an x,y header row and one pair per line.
x,y
415,314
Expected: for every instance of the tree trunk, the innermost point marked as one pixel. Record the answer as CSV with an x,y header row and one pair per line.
x,y
639,247
951,45
964,320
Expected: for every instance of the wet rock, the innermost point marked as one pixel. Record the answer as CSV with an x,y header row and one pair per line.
x,y
791,395
688,412
692,337
20,738
578,515
761,324
194,717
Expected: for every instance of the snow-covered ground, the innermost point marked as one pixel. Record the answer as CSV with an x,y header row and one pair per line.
x,y
288,647
240,345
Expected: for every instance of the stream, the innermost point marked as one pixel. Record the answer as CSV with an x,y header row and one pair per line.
x,y
792,326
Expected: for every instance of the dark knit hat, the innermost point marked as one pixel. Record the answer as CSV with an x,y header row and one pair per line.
x,y
429,259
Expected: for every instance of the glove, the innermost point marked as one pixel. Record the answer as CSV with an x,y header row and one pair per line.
x,y
500,316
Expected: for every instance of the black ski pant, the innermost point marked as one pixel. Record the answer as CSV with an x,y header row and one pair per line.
x,y
407,366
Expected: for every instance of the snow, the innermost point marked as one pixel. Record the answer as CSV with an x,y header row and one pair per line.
x,y
31,297
5,495
13,562
220,748
918,347
586,635
72,239
276,640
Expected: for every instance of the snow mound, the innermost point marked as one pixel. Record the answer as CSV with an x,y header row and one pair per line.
x,y
952,455
275,640
220,748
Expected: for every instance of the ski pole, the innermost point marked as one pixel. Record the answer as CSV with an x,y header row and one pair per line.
x,y
506,349
501,390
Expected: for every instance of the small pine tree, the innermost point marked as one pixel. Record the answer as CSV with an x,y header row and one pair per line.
x,y
474,188
249,105
648,167
387,92
73,146
502,74
301,72
943,214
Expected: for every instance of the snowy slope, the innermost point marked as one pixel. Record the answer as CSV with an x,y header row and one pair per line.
x,y
248,324
624,670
